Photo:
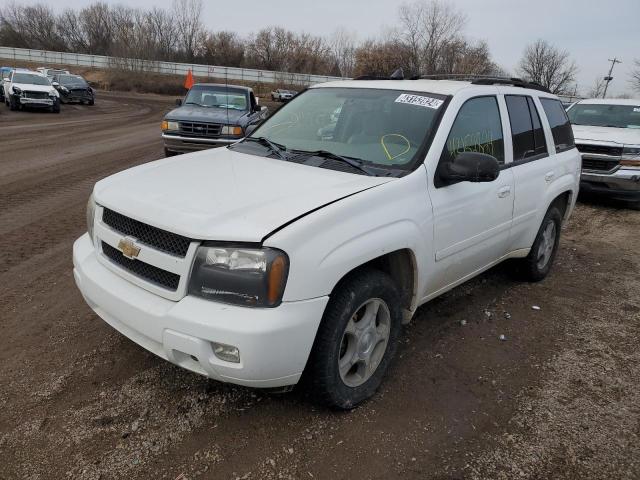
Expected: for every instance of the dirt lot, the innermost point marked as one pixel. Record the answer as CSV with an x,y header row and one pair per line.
x,y
559,398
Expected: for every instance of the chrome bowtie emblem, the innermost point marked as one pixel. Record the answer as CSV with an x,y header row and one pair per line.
x,y
128,248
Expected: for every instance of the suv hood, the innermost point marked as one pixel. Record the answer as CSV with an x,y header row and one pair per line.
x,y
225,195
33,88
194,113
626,136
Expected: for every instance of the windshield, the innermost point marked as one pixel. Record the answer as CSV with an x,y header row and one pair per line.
x,y
71,80
384,128
217,97
30,78
602,115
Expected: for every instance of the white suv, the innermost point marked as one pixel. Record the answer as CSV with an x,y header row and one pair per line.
x,y
292,252
608,136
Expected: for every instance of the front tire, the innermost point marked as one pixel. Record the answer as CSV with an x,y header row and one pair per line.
x,y
537,265
13,105
356,341
55,108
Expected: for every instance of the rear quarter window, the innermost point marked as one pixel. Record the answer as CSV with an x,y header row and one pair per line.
x,y
559,123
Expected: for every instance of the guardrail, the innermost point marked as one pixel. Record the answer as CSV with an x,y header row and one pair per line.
x,y
47,58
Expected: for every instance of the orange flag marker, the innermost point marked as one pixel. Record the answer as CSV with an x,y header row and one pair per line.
x,y
188,82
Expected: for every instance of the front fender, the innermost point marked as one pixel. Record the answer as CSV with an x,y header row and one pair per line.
x,y
327,244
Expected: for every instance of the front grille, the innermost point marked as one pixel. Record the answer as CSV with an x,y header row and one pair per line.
x,y
37,95
599,164
195,129
599,149
154,237
79,91
150,273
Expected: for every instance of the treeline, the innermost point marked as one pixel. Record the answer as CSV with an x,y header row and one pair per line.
x,y
427,39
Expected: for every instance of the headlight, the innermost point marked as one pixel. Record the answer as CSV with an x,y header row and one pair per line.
x,y
252,277
53,93
169,125
91,214
630,157
231,130
17,90
63,88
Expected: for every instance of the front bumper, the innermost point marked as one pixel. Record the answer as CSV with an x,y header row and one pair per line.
x,y
34,102
274,343
177,143
623,184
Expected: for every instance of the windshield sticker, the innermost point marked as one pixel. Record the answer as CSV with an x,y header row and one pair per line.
x,y
419,100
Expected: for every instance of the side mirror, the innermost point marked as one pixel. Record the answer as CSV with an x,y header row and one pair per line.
x,y
179,102
55,84
250,129
5,79
469,167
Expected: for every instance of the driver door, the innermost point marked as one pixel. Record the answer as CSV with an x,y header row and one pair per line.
x,y
472,221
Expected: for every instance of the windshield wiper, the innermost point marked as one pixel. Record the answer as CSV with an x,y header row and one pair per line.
x,y
354,162
274,147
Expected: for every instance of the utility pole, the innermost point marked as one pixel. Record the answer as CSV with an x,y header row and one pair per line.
x,y
608,78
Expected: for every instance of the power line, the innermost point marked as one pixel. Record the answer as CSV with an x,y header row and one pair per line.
x,y
608,78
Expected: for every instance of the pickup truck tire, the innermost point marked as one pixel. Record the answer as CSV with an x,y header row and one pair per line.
x,y
537,265
356,341
55,108
13,105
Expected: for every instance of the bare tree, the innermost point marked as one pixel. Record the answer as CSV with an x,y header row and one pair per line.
x,y
224,48
597,89
343,48
191,33
635,76
549,66
426,29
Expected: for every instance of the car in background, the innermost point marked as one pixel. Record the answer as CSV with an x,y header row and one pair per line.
x,y
73,88
4,73
212,115
26,88
607,134
50,72
281,95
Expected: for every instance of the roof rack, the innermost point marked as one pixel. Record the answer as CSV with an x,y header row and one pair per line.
x,y
485,80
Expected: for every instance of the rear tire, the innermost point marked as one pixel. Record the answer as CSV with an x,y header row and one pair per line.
x,y
537,265
356,340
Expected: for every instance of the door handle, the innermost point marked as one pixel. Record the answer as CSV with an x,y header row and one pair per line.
x,y
549,176
504,192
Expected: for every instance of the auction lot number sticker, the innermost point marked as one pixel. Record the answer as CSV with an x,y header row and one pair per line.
x,y
419,100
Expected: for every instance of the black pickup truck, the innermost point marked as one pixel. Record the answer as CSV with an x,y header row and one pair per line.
x,y
211,115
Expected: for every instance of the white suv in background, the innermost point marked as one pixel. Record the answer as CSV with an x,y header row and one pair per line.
x,y
292,252
607,133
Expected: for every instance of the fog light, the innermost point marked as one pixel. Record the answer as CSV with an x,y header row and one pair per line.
x,y
228,353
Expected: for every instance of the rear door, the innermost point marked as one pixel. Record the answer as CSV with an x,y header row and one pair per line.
x,y
533,166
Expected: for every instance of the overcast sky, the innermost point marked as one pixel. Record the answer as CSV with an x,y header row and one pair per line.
x,y
591,30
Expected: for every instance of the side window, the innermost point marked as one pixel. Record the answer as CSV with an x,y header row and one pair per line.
x,y
559,122
477,128
526,131
539,141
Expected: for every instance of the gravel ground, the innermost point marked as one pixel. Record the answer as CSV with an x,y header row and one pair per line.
x,y
558,398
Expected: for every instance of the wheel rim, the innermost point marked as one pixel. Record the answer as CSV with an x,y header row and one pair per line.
x,y
545,249
364,342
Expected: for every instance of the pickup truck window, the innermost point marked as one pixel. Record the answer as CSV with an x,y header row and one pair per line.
x,y
603,115
383,128
477,128
217,97
526,130
560,126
